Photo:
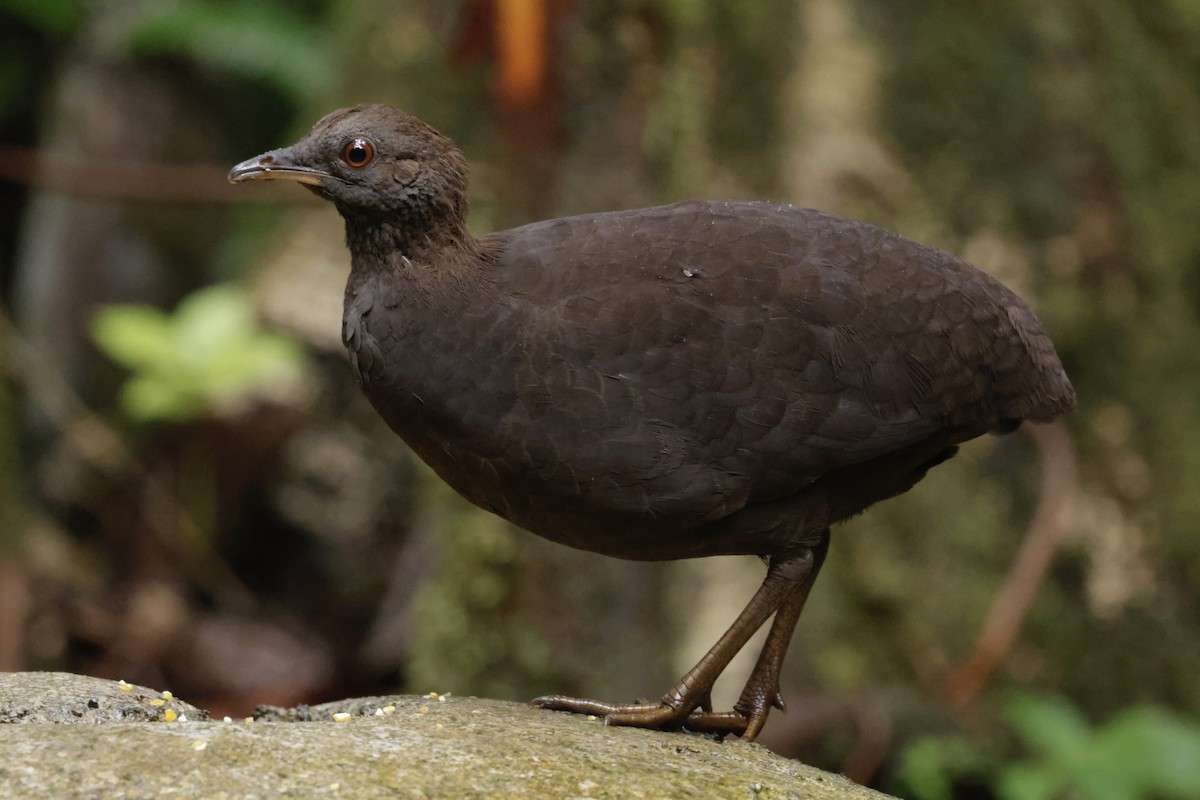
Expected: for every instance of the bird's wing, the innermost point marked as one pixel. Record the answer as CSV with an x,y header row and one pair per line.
x,y
739,351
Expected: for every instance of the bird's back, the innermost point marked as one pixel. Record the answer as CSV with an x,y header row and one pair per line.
x,y
705,298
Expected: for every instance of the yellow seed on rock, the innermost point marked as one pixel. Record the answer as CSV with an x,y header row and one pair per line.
x,y
341,716
169,715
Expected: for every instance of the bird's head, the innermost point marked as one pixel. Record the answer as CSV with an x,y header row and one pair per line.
x,y
378,165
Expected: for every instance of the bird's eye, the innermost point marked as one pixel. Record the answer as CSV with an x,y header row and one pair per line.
x,y
358,152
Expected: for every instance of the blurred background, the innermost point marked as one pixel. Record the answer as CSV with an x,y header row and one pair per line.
x,y
194,496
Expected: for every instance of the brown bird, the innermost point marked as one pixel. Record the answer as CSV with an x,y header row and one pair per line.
x,y
700,379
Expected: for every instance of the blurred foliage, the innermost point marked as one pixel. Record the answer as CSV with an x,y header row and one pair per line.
x,y
934,767
271,42
1144,752
1060,144
58,17
206,356
463,635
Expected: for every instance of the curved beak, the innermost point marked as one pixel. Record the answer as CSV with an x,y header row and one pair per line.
x,y
276,165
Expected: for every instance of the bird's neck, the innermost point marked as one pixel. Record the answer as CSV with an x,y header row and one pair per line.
x,y
396,242
439,267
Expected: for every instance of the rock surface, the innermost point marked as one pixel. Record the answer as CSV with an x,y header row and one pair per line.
x,y
404,746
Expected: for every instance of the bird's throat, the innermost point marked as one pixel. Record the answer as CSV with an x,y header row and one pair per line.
x,y
397,243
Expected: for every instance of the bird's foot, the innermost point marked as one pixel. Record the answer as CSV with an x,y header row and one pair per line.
x,y
758,698
672,713
693,713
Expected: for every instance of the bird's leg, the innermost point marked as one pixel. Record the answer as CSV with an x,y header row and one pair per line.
x,y
761,692
784,589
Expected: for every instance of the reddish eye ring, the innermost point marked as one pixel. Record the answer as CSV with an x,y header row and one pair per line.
x,y
358,152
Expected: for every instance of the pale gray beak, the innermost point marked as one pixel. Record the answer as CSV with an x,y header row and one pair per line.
x,y
276,165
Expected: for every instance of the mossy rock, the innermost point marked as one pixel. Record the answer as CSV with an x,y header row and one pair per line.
x,y
405,746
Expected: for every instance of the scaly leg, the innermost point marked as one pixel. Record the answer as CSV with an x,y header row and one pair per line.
x,y
783,591
761,692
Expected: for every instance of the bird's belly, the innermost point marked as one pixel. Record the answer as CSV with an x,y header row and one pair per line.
x,y
551,497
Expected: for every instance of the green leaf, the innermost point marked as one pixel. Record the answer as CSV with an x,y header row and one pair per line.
x,y
137,337
212,321
924,771
1158,751
149,399
1050,725
1029,782
1058,734
209,352
1143,753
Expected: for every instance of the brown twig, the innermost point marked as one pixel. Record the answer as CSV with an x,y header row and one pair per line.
x,y
1046,534
94,176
